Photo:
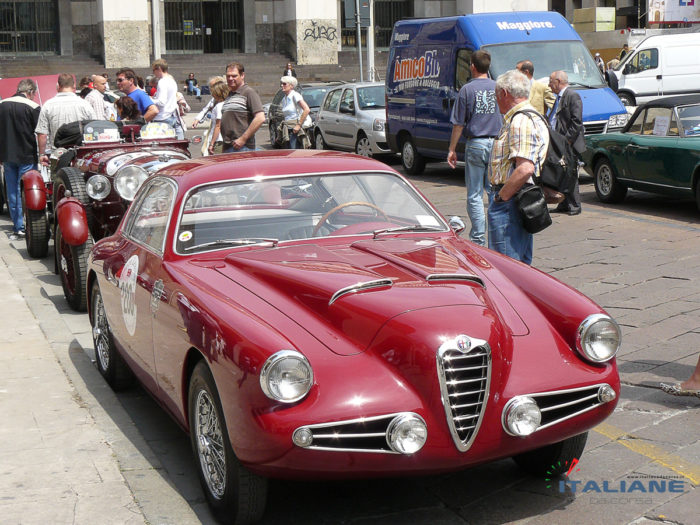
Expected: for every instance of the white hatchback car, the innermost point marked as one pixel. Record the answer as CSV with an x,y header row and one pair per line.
x,y
352,118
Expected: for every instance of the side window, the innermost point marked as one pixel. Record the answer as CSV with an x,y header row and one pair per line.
x,y
148,221
347,103
645,59
636,126
657,122
462,71
332,99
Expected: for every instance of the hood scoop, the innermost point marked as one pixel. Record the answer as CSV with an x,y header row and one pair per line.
x,y
361,287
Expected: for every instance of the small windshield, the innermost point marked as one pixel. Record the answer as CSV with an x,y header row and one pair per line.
x,y
371,97
241,213
571,57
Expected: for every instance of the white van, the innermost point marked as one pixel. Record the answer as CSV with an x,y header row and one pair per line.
x,y
660,66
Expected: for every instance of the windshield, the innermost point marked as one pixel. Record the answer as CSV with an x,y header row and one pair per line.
x,y
241,213
314,96
571,57
371,97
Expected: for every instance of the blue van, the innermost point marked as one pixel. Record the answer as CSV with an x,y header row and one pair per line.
x,y
429,63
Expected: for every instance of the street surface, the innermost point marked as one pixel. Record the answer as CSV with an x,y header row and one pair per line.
x,y
74,452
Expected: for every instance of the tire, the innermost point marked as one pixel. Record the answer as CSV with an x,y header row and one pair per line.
x,y
36,226
554,459
319,142
363,146
413,162
627,99
608,189
239,497
109,363
72,269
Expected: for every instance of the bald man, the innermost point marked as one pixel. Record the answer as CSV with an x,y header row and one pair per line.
x,y
96,97
541,96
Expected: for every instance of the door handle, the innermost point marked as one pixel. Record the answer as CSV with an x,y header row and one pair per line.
x,y
658,77
634,146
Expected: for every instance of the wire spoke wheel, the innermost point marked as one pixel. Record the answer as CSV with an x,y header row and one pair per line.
x,y
210,444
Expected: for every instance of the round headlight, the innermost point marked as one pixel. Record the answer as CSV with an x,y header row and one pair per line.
x,y
407,433
598,338
129,180
521,416
286,376
98,187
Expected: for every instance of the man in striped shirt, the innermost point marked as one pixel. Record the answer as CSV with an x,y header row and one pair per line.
x,y
516,157
242,113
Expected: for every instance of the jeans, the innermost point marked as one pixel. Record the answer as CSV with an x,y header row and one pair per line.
x,y
192,89
13,174
174,123
228,148
476,166
506,232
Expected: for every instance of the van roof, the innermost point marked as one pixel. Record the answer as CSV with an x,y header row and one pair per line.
x,y
485,28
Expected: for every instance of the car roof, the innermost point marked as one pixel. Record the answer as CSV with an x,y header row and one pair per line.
x,y
271,163
671,102
363,84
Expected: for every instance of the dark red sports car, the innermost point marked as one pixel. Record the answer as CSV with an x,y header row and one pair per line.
x,y
311,315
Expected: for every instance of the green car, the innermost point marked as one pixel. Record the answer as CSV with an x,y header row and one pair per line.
x,y
657,151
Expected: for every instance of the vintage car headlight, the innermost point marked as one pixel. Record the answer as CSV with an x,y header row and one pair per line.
x,y
286,376
407,433
521,416
598,338
378,124
129,180
98,187
618,121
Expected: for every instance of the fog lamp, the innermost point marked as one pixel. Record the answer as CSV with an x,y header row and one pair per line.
x,y
606,394
303,437
521,416
98,187
407,433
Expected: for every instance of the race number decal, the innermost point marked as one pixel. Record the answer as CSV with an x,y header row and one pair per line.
x,y
127,290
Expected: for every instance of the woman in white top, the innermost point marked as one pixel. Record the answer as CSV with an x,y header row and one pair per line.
x,y
219,91
294,109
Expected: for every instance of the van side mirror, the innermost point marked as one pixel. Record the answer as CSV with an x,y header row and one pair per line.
x,y
627,70
611,79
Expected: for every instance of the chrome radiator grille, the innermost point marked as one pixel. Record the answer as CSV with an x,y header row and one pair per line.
x,y
464,371
561,405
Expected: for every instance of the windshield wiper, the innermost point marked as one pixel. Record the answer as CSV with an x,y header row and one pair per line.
x,y
233,242
572,83
412,228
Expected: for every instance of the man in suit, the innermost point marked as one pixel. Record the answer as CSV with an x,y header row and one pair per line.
x,y
541,96
566,117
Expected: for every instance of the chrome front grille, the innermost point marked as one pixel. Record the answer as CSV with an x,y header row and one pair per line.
x,y
560,405
589,128
464,371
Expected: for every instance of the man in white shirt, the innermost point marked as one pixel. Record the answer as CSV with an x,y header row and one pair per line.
x,y
165,98
64,108
96,97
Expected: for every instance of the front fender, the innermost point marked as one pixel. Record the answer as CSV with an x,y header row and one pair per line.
x,y
72,219
34,190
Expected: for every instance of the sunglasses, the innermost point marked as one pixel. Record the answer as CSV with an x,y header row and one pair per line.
x,y
121,79
283,83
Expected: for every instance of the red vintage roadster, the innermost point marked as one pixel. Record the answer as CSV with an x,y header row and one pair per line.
x,y
87,190
309,314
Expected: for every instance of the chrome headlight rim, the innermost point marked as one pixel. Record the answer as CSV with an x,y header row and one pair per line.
x,y
275,360
399,421
584,330
127,174
518,403
94,182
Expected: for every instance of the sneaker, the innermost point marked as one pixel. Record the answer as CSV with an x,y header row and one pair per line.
x,y
14,237
21,233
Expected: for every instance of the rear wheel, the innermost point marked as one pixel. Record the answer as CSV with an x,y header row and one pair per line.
x,y
36,226
109,362
607,187
554,459
72,269
235,494
320,143
413,162
363,146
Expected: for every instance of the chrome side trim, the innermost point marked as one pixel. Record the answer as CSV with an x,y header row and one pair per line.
x,y
361,287
455,277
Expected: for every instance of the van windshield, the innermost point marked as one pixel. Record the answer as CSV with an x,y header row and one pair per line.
x,y
570,56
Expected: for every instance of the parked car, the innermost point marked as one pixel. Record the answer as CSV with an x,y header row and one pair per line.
x,y
308,314
313,93
89,188
352,118
657,151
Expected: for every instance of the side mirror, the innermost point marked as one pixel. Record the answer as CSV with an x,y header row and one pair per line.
x,y
627,70
457,224
346,108
611,79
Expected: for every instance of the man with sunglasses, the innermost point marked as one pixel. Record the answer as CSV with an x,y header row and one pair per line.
x,y
242,113
127,83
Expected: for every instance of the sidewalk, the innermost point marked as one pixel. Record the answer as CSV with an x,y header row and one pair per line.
x,y
68,451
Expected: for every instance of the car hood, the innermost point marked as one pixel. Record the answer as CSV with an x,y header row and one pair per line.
x,y
344,295
108,161
374,113
599,104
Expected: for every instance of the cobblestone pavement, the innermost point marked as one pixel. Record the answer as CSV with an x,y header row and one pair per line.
x,y
74,452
